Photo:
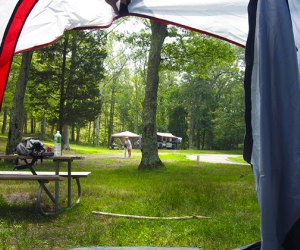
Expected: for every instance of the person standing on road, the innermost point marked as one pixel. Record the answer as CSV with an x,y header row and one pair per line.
x,y
128,146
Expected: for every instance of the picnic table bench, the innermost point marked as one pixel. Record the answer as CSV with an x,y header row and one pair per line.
x,y
43,177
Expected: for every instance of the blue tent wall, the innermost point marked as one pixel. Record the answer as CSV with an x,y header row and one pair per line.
x,y
275,119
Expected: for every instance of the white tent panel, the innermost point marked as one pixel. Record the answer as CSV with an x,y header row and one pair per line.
x,y
223,18
8,6
50,18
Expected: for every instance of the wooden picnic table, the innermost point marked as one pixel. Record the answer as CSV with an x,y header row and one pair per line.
x,y
42,176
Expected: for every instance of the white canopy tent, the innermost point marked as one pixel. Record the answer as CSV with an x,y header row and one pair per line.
x,y
167,135
134,138
125,134
272,83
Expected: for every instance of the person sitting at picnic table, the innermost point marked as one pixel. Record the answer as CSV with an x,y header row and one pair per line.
x,y
127,146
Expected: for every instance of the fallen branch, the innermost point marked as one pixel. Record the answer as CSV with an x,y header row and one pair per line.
x,y
151,218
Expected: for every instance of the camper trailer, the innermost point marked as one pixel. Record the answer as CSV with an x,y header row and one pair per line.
x,y
167,140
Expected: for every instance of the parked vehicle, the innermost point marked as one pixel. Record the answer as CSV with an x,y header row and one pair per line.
x,y
167,140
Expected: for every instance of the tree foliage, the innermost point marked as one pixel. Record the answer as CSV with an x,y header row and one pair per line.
x,y
66,76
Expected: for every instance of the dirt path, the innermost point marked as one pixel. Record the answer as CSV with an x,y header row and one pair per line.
x,y
104,156
215,158
211,158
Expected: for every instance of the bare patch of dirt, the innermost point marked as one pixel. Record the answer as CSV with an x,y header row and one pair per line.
x,y
104,156
19,198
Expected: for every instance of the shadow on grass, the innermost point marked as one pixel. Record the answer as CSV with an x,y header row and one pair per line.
x,y
22,212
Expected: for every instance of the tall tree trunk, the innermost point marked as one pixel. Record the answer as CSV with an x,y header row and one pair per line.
x,y
43,128
16,117
89,132
25,123
98,122
77,135
203,139
73,133
66,87
62,86
198,138
97,131
105,120
4,124
150,158
52,129
93,133
32,125
136,106
191,130
111,115
65,137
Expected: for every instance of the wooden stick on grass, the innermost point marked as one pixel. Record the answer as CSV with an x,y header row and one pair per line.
x,y
151,218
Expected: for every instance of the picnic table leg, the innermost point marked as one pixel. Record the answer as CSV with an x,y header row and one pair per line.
x,y
69,185
79,190
57,188
45,208
42,184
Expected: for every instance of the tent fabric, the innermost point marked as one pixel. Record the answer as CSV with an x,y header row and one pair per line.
x,y
226,19
249,54
254,246
9,7
9,32
275,115
294,7
168,135
50,18
125,134
272,85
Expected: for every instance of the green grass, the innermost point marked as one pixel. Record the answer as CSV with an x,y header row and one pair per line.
x,y
225,193
238,159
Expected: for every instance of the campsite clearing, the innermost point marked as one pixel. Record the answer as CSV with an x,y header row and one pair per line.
x,y
225,193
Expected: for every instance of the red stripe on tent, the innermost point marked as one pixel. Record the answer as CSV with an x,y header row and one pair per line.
x,y
10,40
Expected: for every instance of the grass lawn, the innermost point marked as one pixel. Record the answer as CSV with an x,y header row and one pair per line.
x,y
237,159
225,193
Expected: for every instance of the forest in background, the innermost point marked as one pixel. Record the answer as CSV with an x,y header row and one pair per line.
x,y
92,84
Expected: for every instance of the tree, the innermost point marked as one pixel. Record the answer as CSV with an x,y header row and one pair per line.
x,y
69,73
203,61
168,85
17,112
229,115
112,85
150,158
111,113
178,123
